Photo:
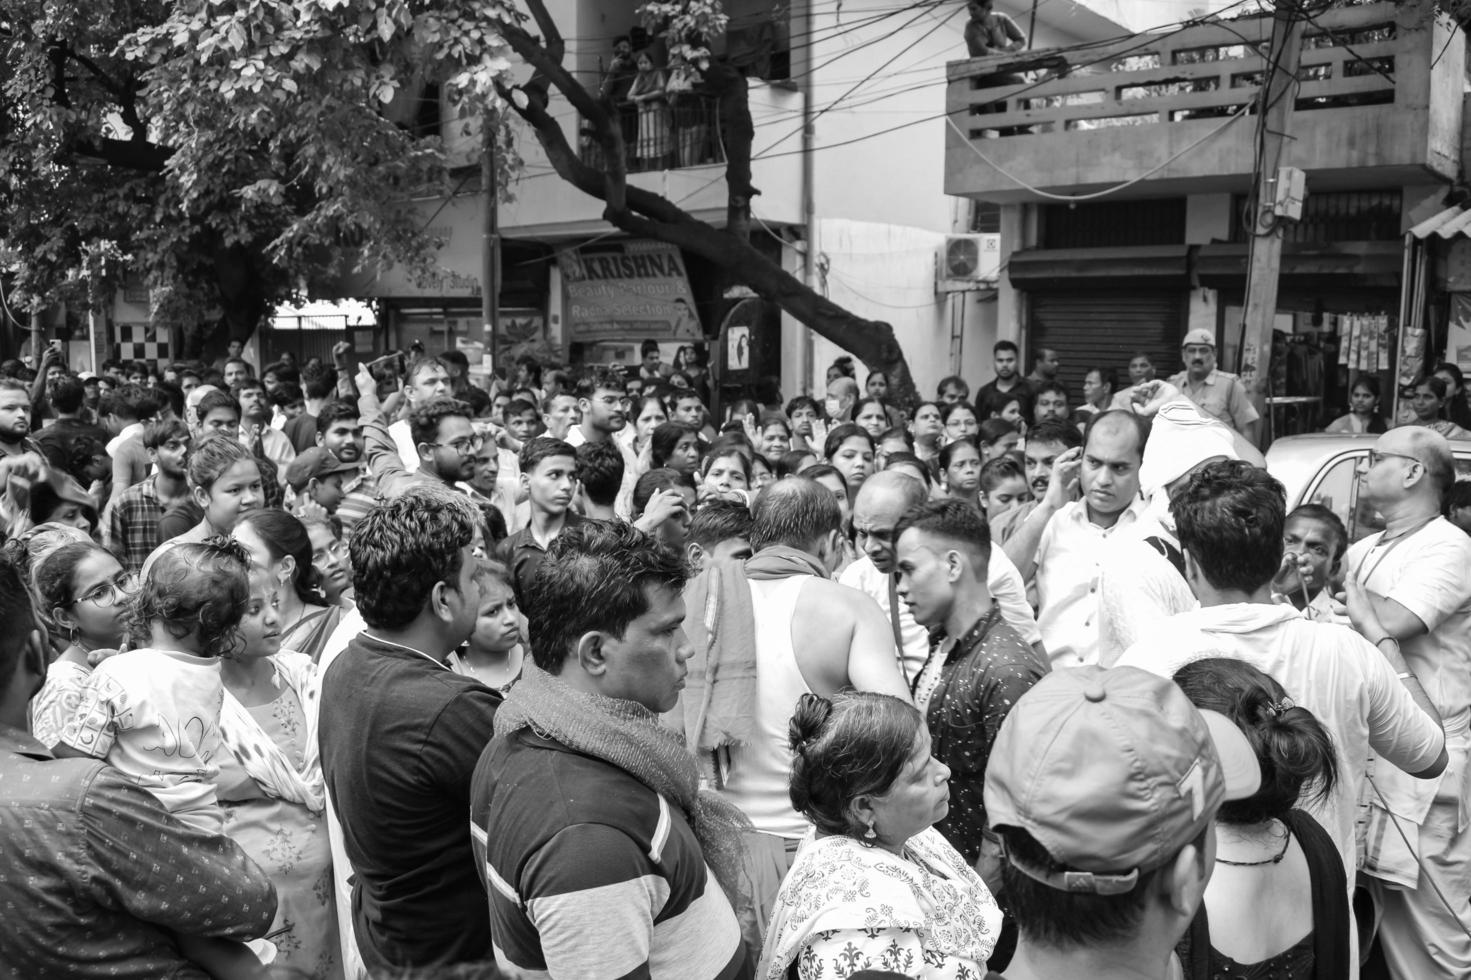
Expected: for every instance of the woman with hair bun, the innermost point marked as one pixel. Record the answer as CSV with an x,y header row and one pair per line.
x,y
1277,902
874,886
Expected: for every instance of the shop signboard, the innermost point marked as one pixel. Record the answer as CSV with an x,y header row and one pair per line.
x,y
627,290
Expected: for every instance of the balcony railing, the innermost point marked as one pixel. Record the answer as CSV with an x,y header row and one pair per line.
x,y
1132,105
682,131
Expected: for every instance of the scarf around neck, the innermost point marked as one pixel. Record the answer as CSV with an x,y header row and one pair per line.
x,y
629,736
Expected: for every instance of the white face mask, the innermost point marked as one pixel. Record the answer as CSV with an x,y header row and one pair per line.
x,y
834,407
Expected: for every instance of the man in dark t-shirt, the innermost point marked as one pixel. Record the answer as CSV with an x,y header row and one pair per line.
x,y
401,733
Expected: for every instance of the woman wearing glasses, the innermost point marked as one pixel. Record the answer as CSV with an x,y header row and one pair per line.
x,y
82,595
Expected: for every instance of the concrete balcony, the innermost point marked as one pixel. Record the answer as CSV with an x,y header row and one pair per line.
x,y
1380,104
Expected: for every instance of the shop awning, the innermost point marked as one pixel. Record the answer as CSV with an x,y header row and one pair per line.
x,y
1454,221
1159,264
1365,263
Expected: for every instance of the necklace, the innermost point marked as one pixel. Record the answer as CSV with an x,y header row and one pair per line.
x,y
438,663
1275,859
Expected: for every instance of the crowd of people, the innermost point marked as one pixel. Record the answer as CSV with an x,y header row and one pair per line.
x,y
333,670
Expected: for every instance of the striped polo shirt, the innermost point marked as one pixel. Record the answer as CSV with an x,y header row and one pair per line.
x,y
593,875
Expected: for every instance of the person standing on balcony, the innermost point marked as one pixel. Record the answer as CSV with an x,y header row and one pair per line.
x,y
691,127
647,93
991,32
1216,393
616,82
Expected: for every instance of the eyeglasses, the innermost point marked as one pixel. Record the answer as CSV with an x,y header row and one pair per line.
x,y
109,593
465,447
337,550
1375,456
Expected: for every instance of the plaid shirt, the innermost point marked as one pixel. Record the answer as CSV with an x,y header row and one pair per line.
x,y
132,528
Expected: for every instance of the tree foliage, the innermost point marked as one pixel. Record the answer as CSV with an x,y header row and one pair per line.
x,y
226,151
229,152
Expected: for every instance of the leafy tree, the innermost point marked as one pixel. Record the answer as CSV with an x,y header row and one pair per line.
x,y
233,151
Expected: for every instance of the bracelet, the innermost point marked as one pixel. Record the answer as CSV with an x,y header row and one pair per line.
x,y
1401,676
1385,637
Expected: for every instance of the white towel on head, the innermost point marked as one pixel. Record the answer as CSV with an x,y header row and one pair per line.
x,y
1180,439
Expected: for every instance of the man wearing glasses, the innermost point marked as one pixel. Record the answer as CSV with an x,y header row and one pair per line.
x,y
444,438
1409,592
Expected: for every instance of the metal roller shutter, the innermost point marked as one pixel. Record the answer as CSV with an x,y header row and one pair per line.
x,y
1104,327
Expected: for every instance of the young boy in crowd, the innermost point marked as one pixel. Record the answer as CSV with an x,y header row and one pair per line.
x,y
721,529
521,420
318,477
1314,540
1003,486
549,479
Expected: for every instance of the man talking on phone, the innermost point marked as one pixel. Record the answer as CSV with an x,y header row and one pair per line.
x,y
1076,535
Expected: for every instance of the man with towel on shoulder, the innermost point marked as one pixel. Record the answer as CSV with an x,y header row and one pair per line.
x,y
764,633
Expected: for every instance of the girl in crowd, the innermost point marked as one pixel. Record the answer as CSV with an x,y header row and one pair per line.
x,y
329,561
225,481
896,440
1363,409
960,471
959,419
1006,407
794,462
493,655
874,885
1456,408
1428,404
154,712
675,446
663,504
928,429
849,449
997,438
647,93
280,544
1003,486
872,416
837,482
877,385
775,436
82,598
271,784
762,474
1277,901
725,474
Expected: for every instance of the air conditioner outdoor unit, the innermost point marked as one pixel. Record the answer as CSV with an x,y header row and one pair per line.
x,y
968,262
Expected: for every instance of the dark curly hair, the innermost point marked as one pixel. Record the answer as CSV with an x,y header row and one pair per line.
x,y
198,588
1230,517
404,547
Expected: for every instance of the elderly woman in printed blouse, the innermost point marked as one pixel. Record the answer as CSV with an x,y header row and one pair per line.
x,y
874,886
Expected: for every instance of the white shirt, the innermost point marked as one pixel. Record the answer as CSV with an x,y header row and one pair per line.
x,y
1328,669
277,447
1429,573
1069,560
403,440
128,431
1002,579
154,715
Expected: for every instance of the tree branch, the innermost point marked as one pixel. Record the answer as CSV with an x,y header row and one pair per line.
x,y
131,154
609,136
